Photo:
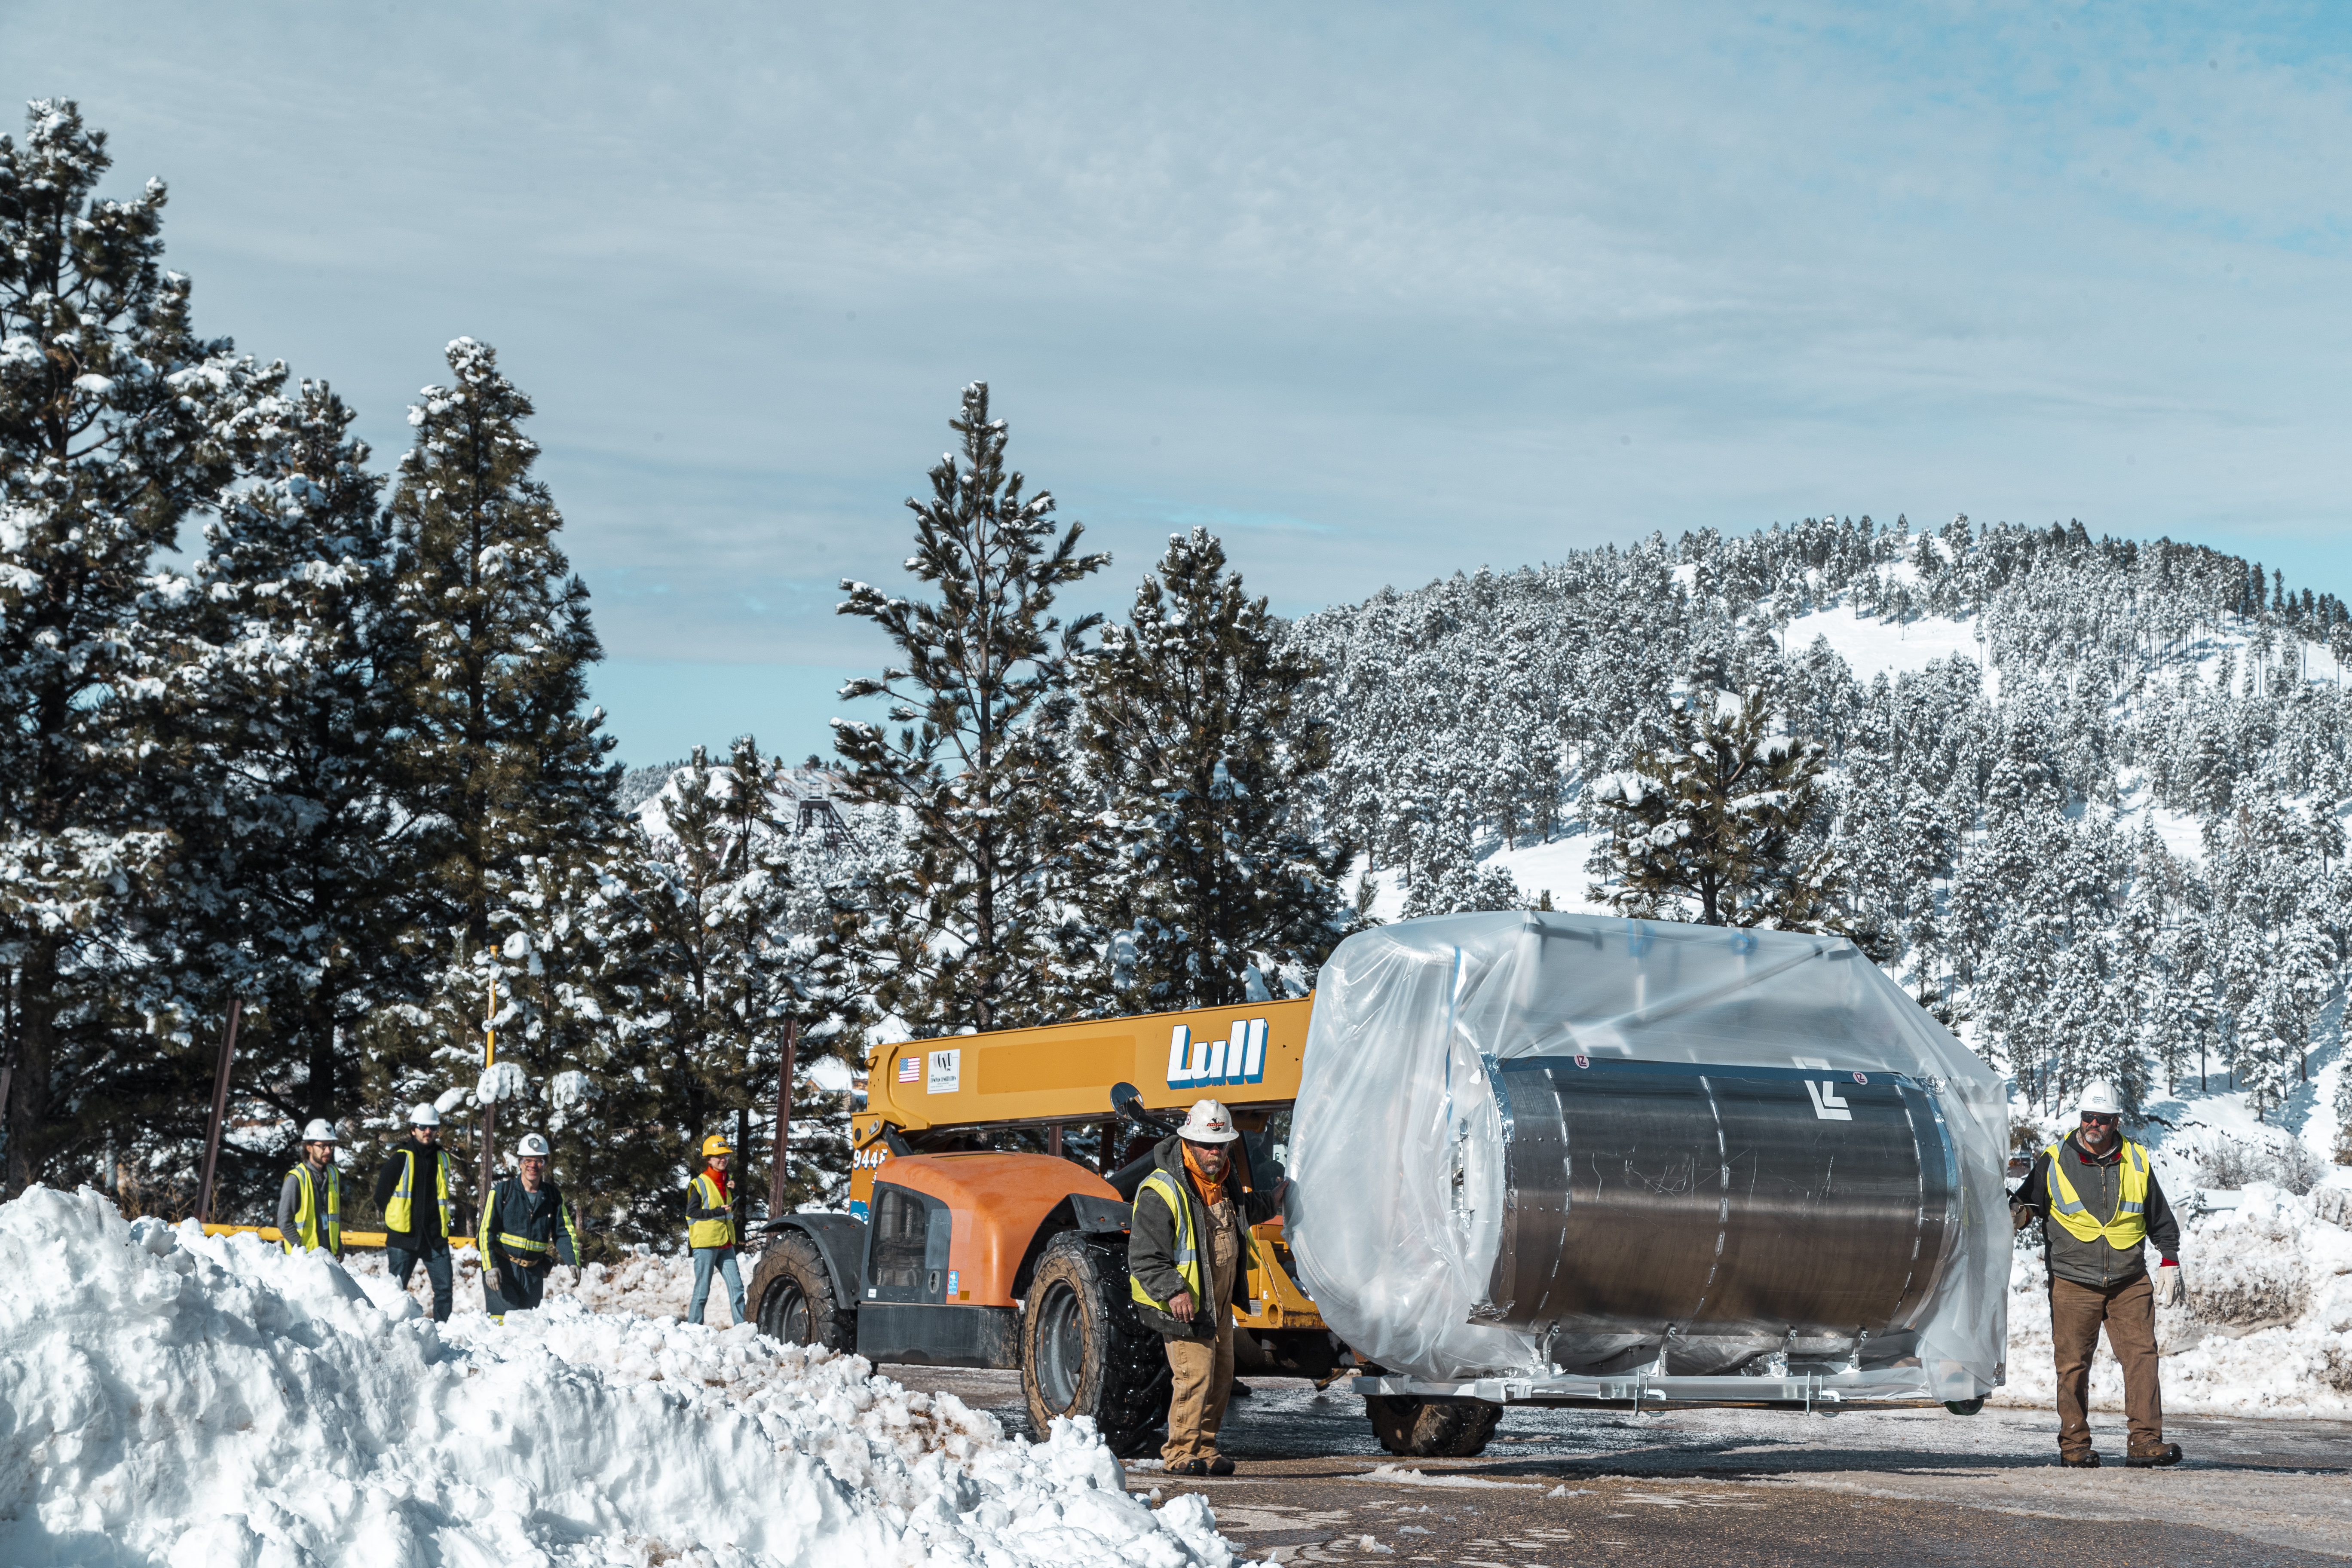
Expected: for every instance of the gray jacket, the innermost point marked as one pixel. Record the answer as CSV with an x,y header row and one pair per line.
x,y
289,1200
2099,1183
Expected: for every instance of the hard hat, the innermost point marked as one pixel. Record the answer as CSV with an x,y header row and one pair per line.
x,y
1209,1123
715,1144
320,1131
2099,1099
532,1143
424,1115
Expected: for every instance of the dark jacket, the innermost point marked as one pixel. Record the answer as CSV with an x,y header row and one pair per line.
x,y
424,1197
2099,1183
1151,1240
527,1229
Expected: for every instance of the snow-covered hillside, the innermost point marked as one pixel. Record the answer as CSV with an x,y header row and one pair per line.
x,y
2088,797
170,1398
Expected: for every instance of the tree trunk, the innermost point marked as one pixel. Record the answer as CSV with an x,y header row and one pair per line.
x,y
28,1098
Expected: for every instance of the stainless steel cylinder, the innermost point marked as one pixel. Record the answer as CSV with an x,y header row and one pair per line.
x,y
1719,1213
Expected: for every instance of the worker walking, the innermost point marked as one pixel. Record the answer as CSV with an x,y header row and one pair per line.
x,y
1188,1252
412,1190
2100,1205
526,1230
710,1230
310,1204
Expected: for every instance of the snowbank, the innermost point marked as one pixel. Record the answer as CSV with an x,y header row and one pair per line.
x,y
171,1398
657,1285
2267,1330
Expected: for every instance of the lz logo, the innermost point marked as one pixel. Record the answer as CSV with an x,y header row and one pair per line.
x,y
1828,1104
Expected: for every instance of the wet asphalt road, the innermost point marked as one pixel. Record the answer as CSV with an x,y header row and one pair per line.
x,y
1559,1487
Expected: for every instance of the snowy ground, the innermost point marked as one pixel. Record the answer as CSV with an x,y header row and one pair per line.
x,y
2267,1330
171,1398
654,1284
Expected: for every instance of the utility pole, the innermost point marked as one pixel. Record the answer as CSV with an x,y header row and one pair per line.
x,y
220,1111
783,1121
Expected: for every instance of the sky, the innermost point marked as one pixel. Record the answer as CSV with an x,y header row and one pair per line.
x,y
1375,292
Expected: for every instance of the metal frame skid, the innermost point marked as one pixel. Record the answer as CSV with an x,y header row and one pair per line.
x,y
1878,1387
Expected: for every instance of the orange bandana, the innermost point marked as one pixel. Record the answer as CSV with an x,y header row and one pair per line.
x,y
1213,1189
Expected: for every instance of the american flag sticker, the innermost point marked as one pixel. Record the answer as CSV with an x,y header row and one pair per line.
x,y
910,1069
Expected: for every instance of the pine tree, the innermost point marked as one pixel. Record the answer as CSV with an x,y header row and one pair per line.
x,y
296,871
965,932
109,415
735,970
1711,824
504,760
1207,850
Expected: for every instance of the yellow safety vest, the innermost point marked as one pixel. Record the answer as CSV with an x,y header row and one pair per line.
x,y
1188,1243
306,1213
710,1232
2129,1229
398,1212
529,1251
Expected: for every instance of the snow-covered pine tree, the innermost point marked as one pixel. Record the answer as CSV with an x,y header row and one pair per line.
x,y
506,758
965,932
721,902
110,406
297,873
1207,848
1710,824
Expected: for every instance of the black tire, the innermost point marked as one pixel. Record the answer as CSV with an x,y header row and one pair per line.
x,y
1085,1350
1432,1429
793,1300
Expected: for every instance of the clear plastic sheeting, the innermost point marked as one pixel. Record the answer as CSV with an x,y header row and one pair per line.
x,y
1533,1145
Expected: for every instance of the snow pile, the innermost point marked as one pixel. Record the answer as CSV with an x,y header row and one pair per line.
x,y
657,1285
2267,1330
171,1398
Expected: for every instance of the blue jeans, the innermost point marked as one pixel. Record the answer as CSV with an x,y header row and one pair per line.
x,y
722,1259
400,1264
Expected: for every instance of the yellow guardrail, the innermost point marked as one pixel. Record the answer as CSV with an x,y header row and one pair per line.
x,y
270,1233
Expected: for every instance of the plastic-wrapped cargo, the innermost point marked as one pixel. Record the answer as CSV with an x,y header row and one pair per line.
x,y
1551,1144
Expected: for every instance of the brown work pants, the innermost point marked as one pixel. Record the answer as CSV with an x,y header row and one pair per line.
x,y
1203,1371
2128,1311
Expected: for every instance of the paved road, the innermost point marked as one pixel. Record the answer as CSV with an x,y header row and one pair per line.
x,y
1557,1488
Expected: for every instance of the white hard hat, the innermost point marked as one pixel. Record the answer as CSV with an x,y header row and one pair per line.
x,y
532,1143
424,1115
1209,1123
2099,1099
320,1131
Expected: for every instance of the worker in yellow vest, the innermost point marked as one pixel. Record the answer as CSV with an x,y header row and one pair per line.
x,y
527,1229
2101,1207
710,1230
310,1204
1188,1253
412,1190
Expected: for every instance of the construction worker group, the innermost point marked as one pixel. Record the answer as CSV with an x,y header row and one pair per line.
x,y
526,1227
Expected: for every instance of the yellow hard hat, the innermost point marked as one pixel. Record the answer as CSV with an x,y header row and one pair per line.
x,y
715,1144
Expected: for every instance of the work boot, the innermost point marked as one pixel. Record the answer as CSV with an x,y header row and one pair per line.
x,y
2153,1458
2088,1459
1221,1466
1188,1467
